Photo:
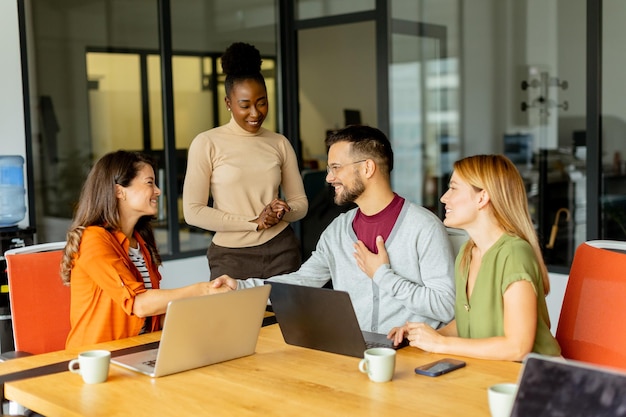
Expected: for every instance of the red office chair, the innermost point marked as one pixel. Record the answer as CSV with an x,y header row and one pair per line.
x,y
40,303
592,325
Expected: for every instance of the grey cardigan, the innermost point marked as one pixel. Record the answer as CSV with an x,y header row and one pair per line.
x,y
417,285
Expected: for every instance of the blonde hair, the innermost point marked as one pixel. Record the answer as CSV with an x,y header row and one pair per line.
x,y
497,175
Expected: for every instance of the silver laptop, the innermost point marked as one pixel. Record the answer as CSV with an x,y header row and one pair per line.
x,y
200,331
322,319
554,387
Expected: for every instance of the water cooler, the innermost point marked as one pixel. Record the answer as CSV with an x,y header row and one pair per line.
x,y
12,211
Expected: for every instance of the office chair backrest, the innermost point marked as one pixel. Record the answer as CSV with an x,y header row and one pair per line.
x,y
40,303
592,325
322,210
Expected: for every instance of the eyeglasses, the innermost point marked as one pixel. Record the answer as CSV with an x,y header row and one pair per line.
x,y
334,168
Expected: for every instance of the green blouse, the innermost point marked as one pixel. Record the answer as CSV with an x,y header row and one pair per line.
x,y
509,260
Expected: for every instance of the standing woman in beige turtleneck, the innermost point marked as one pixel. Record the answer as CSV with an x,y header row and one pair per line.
x,y
252,176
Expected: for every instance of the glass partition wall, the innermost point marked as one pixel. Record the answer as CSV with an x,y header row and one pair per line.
x,y
99,78
125,112
407,86
424,123
444,78
613,119
72,102
521,91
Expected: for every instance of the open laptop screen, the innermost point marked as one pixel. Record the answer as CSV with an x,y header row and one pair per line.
x,y
323,319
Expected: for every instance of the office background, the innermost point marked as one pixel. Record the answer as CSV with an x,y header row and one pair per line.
x,y
480,61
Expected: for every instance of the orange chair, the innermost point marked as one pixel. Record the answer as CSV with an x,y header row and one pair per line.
x,y
40,303
592,325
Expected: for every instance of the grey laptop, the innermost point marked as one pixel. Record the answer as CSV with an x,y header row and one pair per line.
x,y
322,319
200,331
554,387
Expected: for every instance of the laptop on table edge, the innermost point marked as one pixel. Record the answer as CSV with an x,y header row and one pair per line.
x,y
322,319
200,331
552,387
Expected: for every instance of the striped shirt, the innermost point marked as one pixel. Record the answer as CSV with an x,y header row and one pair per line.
x,y
138,260
137,257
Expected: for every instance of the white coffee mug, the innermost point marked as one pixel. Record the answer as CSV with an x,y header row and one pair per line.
x,y
379,364
93,365
501,397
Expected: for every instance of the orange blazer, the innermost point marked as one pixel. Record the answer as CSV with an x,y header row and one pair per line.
x,y
103,286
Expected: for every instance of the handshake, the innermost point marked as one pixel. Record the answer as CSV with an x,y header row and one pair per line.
x,y
221,284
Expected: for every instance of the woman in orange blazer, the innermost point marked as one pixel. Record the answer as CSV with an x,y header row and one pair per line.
x,y
111,259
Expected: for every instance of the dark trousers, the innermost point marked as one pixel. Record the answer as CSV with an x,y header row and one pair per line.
x,y
280,255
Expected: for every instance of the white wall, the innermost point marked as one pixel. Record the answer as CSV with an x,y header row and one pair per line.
x,y
12,135
479,107
181,272
350,65
558,283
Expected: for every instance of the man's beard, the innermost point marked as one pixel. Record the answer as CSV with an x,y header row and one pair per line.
x,y
350,195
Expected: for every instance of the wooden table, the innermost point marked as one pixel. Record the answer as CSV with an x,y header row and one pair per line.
x,y
278,380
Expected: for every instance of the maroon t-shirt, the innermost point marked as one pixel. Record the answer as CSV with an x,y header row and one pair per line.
x,y
367,228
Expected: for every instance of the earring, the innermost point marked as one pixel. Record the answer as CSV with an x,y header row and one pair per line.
x,y
228,108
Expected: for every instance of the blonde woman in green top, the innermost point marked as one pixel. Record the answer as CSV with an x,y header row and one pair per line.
x,y
501,279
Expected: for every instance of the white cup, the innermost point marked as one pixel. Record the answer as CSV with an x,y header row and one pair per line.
x,y
93,365
379,364
501,397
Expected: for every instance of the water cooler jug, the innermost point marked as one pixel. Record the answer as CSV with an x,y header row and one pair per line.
x,y
12,195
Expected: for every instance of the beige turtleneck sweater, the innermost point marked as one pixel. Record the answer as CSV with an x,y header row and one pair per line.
x,y
243,172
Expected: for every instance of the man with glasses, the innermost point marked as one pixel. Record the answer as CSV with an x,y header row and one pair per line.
x,y
394,258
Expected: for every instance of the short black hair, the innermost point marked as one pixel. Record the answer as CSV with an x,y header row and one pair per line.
x,y
367,142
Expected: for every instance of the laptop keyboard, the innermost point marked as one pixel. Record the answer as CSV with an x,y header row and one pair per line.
x,y
371,344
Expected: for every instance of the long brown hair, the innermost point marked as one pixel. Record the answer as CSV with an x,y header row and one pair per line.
x,y
497,175
98,205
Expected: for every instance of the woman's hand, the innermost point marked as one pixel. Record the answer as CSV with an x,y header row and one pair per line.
x,y
272,214
209,288
397,334
224,282
422,336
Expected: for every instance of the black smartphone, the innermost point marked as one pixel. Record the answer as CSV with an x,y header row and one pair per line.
x,y
439,367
